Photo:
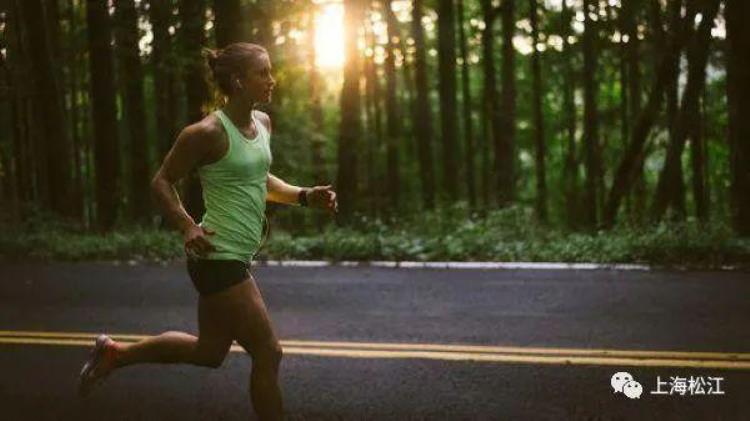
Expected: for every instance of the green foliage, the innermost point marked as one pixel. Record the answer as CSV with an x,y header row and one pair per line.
x,y
135,244
42,237
512,235
448,234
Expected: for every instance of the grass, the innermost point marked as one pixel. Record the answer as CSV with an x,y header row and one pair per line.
x,y
448,234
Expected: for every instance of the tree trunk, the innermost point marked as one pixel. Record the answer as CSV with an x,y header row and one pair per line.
x,y
670,188
698,164
570,166
228,22
61,54
131,77
193,14
590,125
8,101
448,101
105,115
71,55
632,91
541,172
468,131
677,193
373,124
316,108
738,97
18,85
634,152
162,60
81,81
408,102
422,117
350,128
491,110
54,152
505,134
393,127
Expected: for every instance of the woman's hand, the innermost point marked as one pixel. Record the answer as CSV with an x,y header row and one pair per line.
x,y
196,241
322,197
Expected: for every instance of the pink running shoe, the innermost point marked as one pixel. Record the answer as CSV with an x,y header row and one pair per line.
x,y
100,363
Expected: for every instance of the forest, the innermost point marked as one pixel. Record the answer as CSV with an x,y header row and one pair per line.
x,y
499,119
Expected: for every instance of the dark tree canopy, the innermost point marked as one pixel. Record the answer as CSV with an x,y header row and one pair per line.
x,y
580,110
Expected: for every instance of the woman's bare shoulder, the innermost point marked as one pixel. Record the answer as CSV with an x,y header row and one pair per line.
x,y
209,128
264,119
203,136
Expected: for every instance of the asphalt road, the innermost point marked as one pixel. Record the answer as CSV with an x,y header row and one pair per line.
x,y
373,343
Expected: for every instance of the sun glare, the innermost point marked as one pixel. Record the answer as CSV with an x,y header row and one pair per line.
x,y
329,35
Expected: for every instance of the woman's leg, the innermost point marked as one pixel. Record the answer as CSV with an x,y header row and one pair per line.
x,y
208,349
254,332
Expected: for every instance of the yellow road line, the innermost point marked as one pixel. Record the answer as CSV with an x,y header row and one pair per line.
x,y
603,353
73,335
35,341
609,353
441,352
522,359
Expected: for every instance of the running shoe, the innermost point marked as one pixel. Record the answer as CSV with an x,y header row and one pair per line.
x,y
98,366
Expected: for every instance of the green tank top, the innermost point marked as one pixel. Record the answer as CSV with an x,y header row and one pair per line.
x,y
234,193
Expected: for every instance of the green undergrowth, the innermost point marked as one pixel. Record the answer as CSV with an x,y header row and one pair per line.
x,y
445,235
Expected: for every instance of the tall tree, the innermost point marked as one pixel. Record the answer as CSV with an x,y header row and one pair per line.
x,y
131,76
673,109
590,125
20,91
632,52
103,93
468,129
228,22
54,153
541,172
393,121
422,118
738,95
634,152
8,97
631,93
316,107
670,183
448,101
165,75
350,128
570,166
505,138
60,48
408,95
193,13
698,160
492,126
374,123
71,57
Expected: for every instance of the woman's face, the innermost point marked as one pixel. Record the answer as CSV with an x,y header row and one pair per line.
x,y
256,85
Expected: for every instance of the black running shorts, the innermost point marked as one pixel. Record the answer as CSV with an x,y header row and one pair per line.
x,y
212,276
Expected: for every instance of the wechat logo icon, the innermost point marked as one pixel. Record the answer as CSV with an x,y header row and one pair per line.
x,y
623,382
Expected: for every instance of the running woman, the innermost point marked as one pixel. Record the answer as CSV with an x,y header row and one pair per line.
x,y
231,150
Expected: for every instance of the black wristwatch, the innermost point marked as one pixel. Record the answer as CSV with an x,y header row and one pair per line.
x,y
302,197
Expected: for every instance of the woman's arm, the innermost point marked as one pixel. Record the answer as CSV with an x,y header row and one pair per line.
x,y
280,192
317,197
190,148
